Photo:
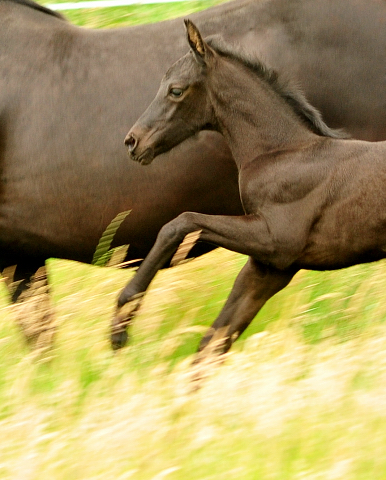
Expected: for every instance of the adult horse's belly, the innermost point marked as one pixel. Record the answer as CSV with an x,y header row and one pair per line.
x,y
62,211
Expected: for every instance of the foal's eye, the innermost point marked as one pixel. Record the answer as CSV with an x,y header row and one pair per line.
x,y
176,92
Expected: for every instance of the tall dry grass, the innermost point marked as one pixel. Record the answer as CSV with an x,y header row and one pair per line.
x,y
301,396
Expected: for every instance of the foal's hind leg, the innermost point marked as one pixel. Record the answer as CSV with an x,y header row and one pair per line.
x,y
255,284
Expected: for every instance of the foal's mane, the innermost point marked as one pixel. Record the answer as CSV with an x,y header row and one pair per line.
x,y
40,8
292,95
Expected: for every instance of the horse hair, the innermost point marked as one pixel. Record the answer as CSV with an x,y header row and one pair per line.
x,y
40,8
292,95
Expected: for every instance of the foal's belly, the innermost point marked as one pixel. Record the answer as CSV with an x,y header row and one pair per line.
x,y
315,258
342,243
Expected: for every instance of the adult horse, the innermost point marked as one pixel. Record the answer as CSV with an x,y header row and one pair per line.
x,y
68,95
312,199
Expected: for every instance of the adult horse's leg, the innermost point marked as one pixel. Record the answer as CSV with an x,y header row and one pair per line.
x,y
18,280
33,309
254,286
244,234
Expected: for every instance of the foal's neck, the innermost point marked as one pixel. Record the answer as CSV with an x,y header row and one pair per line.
x,y
254,119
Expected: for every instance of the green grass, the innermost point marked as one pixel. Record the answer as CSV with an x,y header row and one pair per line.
x,y
134,14
300,396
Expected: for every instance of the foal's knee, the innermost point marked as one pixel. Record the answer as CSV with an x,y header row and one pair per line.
x,y
175,230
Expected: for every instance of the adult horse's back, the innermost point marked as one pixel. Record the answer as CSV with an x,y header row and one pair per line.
x,y
69,94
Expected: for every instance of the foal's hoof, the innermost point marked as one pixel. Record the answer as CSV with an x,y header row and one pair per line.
x,y
123,317
119,335
119,340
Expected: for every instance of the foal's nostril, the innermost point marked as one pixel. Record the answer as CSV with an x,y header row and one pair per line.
x,y
131,142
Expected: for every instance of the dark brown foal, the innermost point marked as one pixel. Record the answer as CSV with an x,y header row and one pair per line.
x,y
312,199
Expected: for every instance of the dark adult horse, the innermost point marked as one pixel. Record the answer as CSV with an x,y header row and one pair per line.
x,y
68,95
312,200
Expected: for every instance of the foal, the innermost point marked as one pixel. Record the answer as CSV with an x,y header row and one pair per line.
x,y
312,200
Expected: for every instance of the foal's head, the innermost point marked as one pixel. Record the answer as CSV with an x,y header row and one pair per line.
x,y
185,100
181,107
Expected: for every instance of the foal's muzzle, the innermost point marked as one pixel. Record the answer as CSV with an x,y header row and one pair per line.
x,y
142,155
131,142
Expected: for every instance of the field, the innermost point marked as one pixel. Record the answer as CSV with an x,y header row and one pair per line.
x,y
301,396
134,14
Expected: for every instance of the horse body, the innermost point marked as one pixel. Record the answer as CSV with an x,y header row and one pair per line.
x,y
312,199
323,205
349,227
65,173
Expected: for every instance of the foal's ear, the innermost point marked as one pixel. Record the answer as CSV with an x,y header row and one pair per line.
x,y
197,44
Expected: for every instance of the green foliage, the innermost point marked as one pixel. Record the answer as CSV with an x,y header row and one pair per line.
x,y
135,14
103,253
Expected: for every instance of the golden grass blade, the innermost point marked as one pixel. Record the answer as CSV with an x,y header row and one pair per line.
x,y
118,256
185,247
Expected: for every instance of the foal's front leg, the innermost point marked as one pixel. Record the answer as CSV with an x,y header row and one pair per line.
x,y
243,234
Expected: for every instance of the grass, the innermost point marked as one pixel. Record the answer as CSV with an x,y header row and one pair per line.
x,y
301,396
134,14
